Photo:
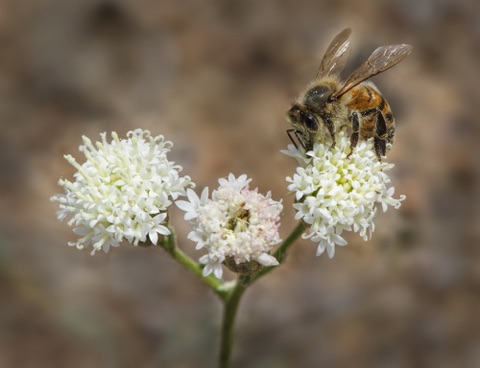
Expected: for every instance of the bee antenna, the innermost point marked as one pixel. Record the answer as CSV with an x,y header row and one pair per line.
x,y
332,99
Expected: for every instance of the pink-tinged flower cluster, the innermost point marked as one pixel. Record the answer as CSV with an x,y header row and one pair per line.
x,y
236,223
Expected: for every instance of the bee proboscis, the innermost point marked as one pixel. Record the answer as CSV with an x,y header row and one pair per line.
x,y
329,105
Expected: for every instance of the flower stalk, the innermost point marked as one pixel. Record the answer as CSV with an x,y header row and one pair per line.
x,y
230,296
170,246
230,309
232,299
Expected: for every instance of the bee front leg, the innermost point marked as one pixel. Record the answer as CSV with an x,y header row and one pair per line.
x,y
331,130
294,133
380,139
289,133
355,132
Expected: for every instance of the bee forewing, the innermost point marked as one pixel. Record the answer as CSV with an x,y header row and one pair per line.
x,y
336,55
381,59
385,57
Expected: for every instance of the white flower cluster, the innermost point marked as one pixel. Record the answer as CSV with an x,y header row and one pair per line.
x,y
122,191
236,224
335,192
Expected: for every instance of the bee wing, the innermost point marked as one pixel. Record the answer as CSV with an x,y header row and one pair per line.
x,y
336,55
381,59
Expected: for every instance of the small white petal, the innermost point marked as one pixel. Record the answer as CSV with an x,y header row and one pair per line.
x,y
218,271
330,251
204,196
267,260
153,237
320,249
207,270
338,240
185,206
204,259
192,196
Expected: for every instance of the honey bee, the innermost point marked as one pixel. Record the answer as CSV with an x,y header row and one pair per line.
x,y
328,105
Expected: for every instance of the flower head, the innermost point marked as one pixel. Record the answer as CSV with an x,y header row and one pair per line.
x,y
122,190
336,192
236,225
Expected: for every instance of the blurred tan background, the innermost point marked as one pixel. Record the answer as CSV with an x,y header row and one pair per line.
x,y
216,78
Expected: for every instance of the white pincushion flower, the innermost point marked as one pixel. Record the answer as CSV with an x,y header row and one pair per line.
x,y
122,190
335,193
236,225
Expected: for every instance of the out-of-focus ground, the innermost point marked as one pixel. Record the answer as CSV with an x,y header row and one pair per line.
x,y
216,78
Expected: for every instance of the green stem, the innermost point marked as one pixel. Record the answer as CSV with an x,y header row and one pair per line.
x,y
232,299
229,313
170,245
231,295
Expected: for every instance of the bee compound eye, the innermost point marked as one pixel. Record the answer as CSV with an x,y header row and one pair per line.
x,y
310,121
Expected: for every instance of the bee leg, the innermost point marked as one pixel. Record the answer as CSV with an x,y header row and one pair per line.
x,y
331,130
289,133
355,132
293,133
380,140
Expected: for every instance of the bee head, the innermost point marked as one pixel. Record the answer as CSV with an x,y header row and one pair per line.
x,y
308,111
304,123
